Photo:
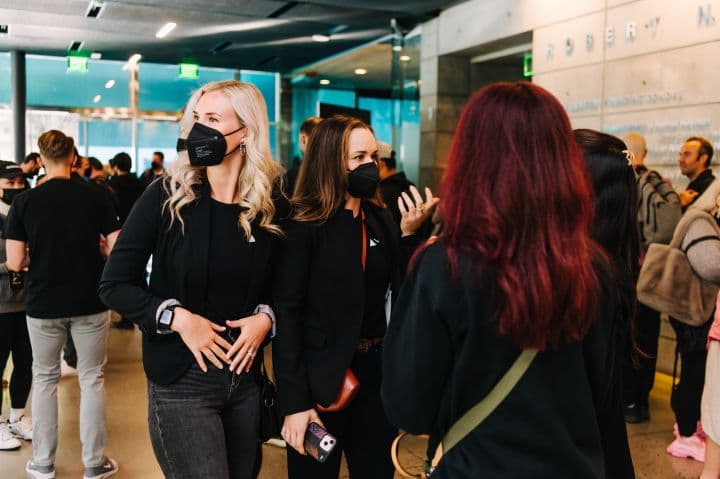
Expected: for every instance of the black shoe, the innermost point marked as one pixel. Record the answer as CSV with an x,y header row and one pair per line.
x,y
123,324
635,413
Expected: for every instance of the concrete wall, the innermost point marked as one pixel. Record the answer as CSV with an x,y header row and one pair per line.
x,y
616,65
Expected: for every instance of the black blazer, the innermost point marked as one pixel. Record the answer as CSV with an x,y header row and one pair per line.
x,y
318,296
179,271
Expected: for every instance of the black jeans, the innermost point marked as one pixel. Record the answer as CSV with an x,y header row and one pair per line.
x,y
362,430
201,428
687,395
639,375
14,339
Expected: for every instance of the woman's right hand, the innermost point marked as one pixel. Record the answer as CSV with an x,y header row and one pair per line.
x,y
294,427
201,337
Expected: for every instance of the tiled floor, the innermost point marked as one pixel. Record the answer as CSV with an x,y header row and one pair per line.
x,y
128,440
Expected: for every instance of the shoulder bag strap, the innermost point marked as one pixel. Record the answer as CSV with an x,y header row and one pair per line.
x,y
475,416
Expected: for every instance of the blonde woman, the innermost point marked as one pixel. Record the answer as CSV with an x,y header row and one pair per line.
x,y
210,227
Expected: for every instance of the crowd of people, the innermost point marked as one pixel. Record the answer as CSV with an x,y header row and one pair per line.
x,y
500,318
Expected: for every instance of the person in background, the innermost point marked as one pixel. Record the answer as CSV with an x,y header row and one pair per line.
x,y
156,170
393,183
80,167
97,169
306,129
658,213
497,281
30,167
64,274
339,270
694,160
13,327
211,225
615,229
126,185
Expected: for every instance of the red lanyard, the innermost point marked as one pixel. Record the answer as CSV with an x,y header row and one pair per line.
x,y
364,240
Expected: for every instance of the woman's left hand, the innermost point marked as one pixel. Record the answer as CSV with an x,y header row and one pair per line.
x,y
253,330
414,211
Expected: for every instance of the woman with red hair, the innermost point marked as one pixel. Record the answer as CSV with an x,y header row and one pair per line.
x,y
515,269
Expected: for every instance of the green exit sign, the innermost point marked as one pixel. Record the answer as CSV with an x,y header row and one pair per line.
x,y
77,64
189,71
527,65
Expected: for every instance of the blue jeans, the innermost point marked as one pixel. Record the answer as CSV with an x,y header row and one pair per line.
x,y
201,427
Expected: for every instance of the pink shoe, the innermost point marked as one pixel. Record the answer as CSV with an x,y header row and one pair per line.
x,y
692,447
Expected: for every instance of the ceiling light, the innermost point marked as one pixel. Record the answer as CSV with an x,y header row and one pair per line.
x,y
96,55
133,60
397,48
110,84
360,71
324,81
167,28
97,98
405,58
320,38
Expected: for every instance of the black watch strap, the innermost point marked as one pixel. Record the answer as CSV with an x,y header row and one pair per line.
x,y
166,318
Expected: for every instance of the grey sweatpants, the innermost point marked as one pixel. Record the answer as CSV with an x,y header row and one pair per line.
x,y
47,337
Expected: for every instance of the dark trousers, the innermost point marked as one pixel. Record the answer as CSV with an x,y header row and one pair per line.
x,y
14,339
204,425
639,374
687,395
362,430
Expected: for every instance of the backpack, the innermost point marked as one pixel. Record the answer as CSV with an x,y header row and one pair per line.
x,y
659,210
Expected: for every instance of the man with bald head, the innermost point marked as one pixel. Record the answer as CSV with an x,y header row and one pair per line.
x,y
658,214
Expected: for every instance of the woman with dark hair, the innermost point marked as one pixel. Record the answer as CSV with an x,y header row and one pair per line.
x,y
615,228
514,270
340,266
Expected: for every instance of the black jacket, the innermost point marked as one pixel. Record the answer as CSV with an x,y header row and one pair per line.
x,y
700,184
442,355
128,189
179,271
318,299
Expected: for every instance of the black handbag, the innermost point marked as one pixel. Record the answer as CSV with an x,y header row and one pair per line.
x,y
270,420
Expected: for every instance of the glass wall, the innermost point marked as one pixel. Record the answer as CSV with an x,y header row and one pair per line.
x,y
93,106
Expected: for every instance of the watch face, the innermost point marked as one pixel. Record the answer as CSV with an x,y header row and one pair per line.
x,y
166,318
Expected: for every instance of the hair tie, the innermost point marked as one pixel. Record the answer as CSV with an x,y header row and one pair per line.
x,y
629,156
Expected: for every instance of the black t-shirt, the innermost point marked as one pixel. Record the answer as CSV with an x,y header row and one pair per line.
x,y
228,265
61,221
377,280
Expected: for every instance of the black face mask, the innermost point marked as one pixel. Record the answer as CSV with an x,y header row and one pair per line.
x,y
9,195
363,181
156,166
205,146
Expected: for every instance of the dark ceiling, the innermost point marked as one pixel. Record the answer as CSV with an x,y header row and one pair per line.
x,y
250,34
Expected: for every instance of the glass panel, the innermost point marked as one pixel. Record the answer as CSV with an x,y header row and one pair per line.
x,y
5,82
49,84
156,136
380,116
108,137
337,97
161,89
267,83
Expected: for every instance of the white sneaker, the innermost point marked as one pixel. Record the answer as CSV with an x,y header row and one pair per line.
x,y
7,441
22,428
40,472
108,468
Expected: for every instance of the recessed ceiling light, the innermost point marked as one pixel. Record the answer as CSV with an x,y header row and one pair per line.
x,y
360,71
167,28
97,98
320,38
134,59
110,84
404,58
397,48
324,81
96,55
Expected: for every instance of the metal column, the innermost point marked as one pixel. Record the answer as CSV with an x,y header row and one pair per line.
x,y
18,102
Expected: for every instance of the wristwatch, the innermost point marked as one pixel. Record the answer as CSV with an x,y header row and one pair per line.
x,y
166,318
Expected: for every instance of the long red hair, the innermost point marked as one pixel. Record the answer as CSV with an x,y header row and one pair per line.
x,y
517,200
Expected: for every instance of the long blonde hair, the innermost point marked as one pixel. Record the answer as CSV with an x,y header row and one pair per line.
x,y
259,172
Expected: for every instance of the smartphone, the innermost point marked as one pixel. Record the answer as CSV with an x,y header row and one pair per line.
x,y
318,442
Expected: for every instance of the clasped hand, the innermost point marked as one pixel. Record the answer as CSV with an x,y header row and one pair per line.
x,y
202,337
